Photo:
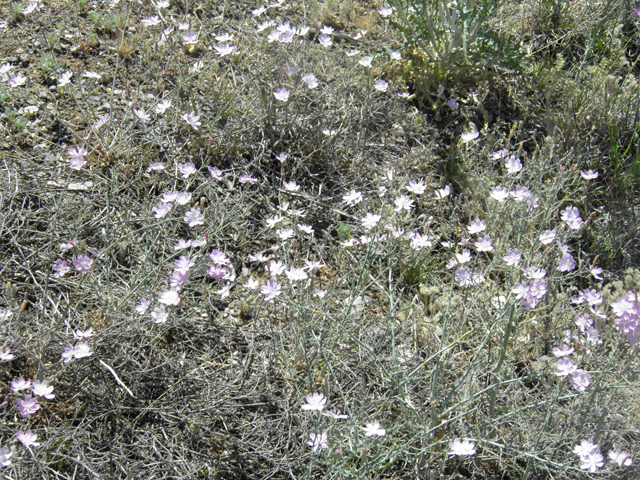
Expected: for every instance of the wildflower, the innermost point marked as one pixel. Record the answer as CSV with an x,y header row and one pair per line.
x,y
155,166
461,448
163,106
329,132
403,203
101,122
257,257
60,268
565,366
312,265
563,352
271,290
418,242
499,154
318,442
20,384
469,135
310,79
566,263
159,315
499,193
592,461
151,21
64,79
318,293
281,157
215,173
484,244
365,61
352,198
534,273
373,429
42,389
589,174
585,448
251,284
169,297
571,216
443,192
82,263
395,55
581,380
335,414
476,226
16,80
416,187
381,85
385,11
27,406
189,38
296,274
68,353
90,74
259,11
353,52
187,169
315,401
161,209
521,193
4,457
370,221
512,257
291,186
513,165
192,119
453,104
463,277
246,178
308,229
193,217
178,279
225,49
76,160
69,245
325,40
281,94
183,264
285,233
276,268
218,257
28,438
619,457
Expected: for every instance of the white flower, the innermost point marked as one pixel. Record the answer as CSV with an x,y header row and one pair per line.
x,y
315,402
310,79
352,198
464,447
370,220
169,297
159,314
403,203
372,429
163,106
281,94
365,61
65,79
42,389
192,119
443,192
381,85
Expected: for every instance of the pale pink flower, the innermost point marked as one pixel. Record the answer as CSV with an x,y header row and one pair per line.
x,y
20,384
417,188
225,49
82,264
28,438
589,174
192,119
620,457
581,380
215,173
169,297
60,268
159,315
5,354
381,85
271,290
310,79
27,406
318,441
281,94
187,169
193,217
161,210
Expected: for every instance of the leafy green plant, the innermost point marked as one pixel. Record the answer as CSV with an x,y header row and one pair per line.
x,y
5,96
96,18
15,11
48,63
450,40
343,231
